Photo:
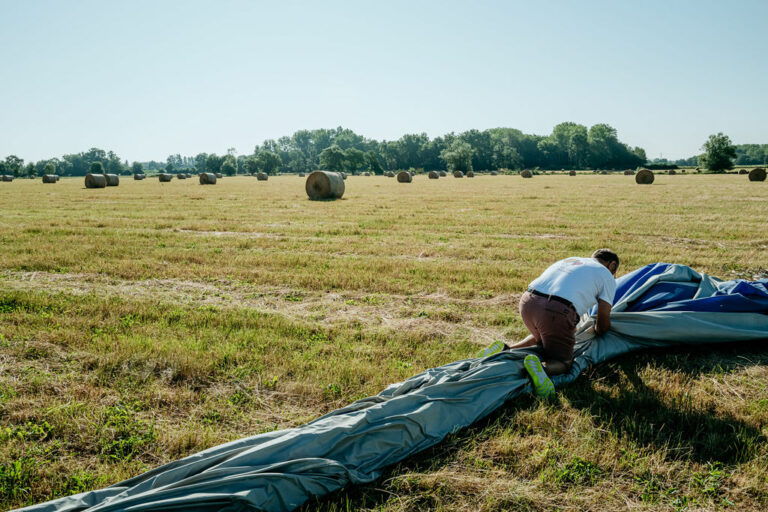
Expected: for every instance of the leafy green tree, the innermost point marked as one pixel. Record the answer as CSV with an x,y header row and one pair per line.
x,y
3,168
458,156
719,153
137,168
229,165
96,168
332,158
250,165
14,165
200,161
169,167
373,162
354,158
49,168
268,161
213,163
29,169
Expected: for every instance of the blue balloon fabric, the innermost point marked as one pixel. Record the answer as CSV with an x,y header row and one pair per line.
x,y
656,306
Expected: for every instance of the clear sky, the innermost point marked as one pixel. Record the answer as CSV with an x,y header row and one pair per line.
x,y
150,78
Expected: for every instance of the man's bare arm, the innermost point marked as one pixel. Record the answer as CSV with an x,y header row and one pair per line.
x,y
603,317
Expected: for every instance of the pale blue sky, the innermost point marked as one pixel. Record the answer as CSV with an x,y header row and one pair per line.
x,y
150,78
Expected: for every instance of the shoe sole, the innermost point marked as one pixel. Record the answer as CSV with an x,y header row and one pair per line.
x,y
493,348
542,384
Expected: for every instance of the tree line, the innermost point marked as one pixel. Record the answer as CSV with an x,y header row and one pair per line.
x,y
745,154
569,146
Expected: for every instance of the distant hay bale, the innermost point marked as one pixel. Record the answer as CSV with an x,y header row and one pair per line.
x,y
494,173
757,174
324,185
301,175
458,174
207,178
644,177
262,176
571,173
470,174
743,171
139,176
629,172
181,176
603,172
50,178
671,172
366,174
95,180
113,180
433,175
218,175
6,177
404,177
443,174
164,178
683,171
389,174
526,174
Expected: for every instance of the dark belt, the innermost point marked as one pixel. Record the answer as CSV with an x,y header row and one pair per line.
x,y
552,297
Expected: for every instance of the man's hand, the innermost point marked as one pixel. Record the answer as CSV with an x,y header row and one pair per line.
x,y
603,317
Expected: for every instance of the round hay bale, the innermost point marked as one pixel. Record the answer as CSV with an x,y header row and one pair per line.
x,y
603,172
218,175
494,173
113,180
743,171
95,180
6,177
443,174
207,178
525,173
644,177
301,175
49,178
470,174
458,174
181,176
138,177
366,174
404,177
324,185
433,175
262,176
389,174
757,174
629,172
671,172
683,171
164,178
571,173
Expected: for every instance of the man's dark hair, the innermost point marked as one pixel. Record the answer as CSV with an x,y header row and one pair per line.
x,y
606,255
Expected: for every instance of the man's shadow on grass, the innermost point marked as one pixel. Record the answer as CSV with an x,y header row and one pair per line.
x,y
637,413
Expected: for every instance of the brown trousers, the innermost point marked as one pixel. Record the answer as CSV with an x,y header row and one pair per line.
x,y
552,323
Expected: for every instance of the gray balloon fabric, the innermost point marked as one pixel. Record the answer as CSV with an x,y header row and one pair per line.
x,y
279,471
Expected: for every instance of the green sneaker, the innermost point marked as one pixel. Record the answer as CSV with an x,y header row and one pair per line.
x,y
494,348
542,384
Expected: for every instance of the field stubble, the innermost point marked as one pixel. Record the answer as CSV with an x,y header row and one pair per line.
x,y
148,321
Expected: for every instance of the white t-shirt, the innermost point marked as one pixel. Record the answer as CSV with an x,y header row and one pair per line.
x,y
580,280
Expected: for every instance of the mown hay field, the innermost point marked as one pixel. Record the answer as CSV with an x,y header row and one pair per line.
x,y
145,322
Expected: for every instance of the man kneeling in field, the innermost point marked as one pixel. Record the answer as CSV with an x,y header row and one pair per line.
x,y
552,306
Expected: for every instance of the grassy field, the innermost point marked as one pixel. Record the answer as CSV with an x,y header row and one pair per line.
x,y
142,323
